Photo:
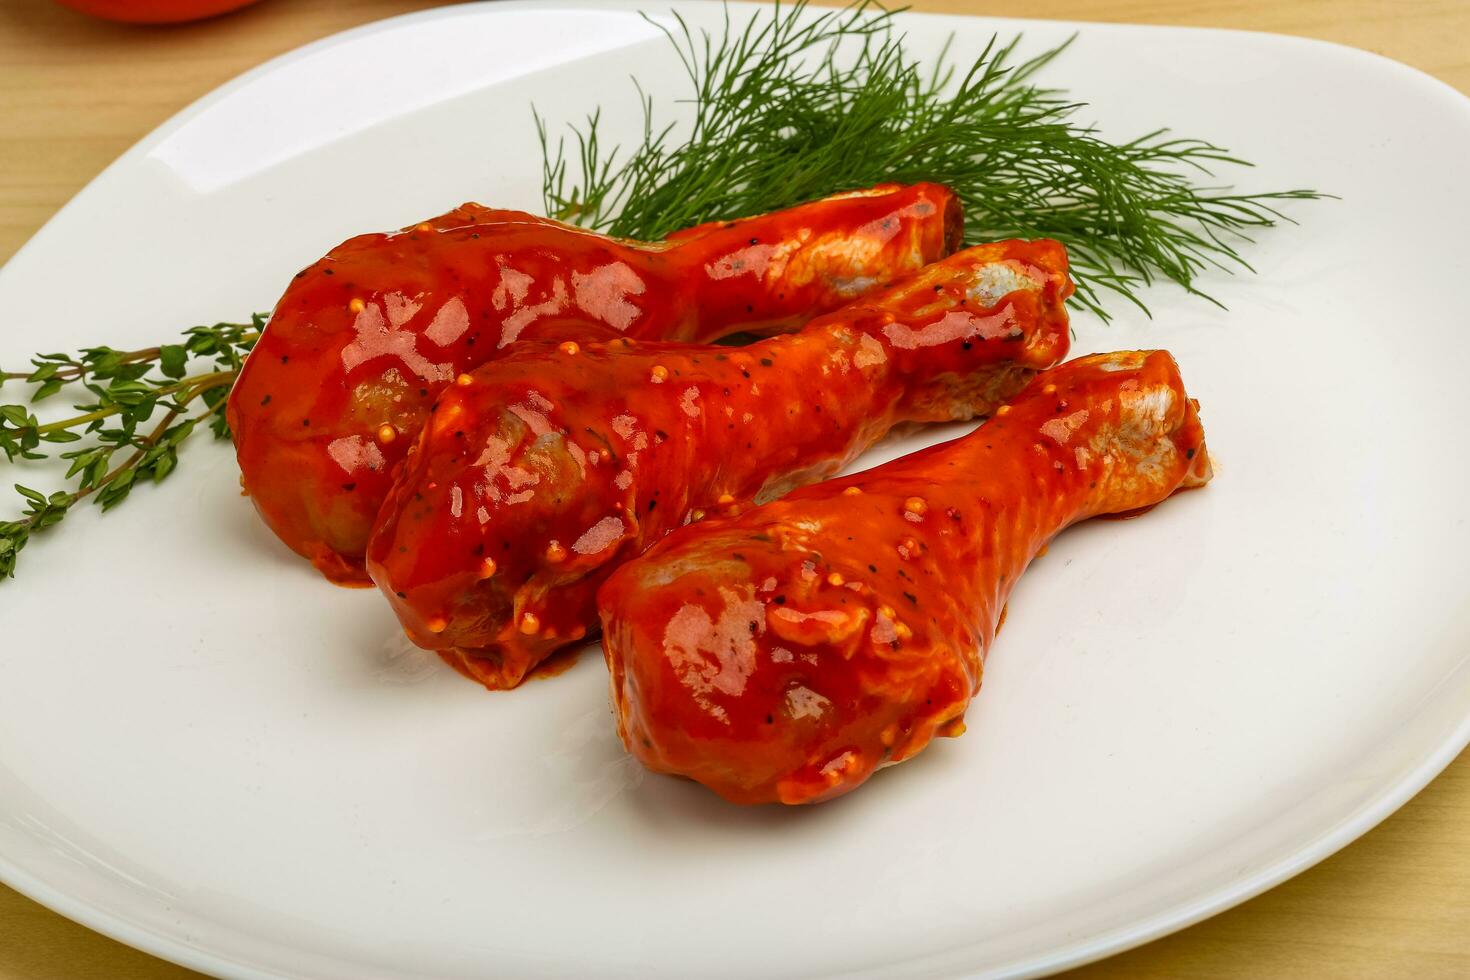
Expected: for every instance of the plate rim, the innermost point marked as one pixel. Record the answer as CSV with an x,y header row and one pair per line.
x,y
1373,811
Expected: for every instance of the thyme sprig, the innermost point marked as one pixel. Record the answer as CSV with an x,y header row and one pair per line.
x,y
792,106
124,446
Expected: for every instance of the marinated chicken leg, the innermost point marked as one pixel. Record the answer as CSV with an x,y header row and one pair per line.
x,y
541,472
786,653
364,340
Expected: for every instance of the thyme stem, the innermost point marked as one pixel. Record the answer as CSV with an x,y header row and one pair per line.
x,y
194,384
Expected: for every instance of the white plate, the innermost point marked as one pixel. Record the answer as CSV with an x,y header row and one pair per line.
x,y
207,752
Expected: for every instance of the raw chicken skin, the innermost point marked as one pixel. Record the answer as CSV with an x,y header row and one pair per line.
x,y
363,341
786,653
553,465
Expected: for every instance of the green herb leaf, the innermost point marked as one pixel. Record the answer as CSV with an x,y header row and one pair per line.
x,y
46,390
173,359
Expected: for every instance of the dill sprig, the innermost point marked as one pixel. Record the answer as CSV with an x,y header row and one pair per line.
x,y
792,106
125,445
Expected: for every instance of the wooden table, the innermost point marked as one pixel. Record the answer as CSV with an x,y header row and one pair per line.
x,y
75,93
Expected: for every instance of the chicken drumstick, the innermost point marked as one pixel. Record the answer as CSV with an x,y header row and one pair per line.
x,y
786,653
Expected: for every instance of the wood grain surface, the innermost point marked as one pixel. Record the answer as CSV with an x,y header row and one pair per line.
x,y
75,93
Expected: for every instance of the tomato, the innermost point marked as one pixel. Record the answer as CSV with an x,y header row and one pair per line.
x,y
154,11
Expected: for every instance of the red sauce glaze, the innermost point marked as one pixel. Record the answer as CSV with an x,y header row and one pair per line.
x,y
786,653
557,463
557,664
363,341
